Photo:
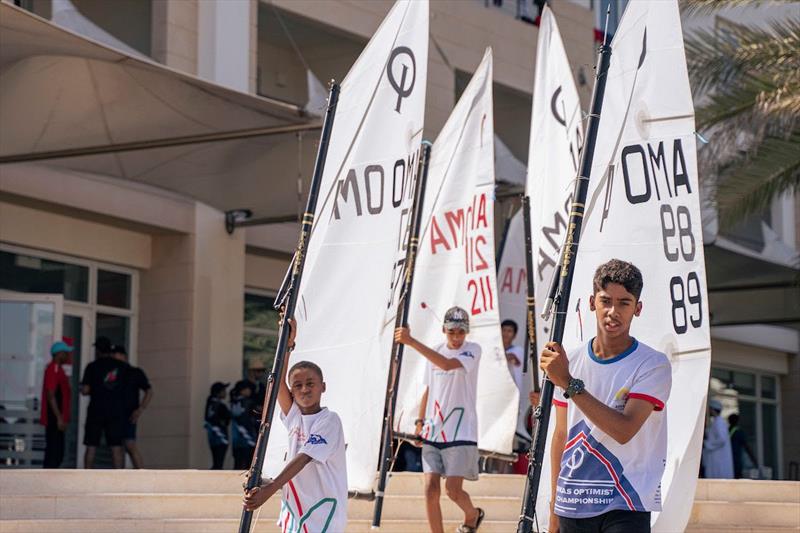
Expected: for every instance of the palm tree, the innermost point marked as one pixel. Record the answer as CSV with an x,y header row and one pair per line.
x,y
747,86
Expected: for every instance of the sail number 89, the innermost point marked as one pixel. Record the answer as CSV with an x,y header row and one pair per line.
x,y
687,302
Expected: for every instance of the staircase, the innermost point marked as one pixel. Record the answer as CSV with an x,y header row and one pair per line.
x,y
176,501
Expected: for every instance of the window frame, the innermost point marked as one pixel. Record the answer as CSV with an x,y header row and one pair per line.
x,y
265,293
758,399
92,306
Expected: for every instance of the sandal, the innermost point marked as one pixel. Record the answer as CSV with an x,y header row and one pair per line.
x,y
464,528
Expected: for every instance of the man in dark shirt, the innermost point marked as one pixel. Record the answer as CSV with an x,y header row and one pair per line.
x,y
103,381
135,381
739,446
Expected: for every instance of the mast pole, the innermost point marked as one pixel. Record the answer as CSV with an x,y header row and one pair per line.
x,y
530,322
400,321
289,301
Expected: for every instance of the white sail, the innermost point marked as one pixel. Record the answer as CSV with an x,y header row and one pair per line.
x,y
455,264
512,286
349,292
643,206
553,158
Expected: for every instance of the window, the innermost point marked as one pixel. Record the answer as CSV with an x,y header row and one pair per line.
x,y
754,396
28,273
260,330
107,291
113,289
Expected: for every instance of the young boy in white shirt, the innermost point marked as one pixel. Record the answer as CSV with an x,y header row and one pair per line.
x,y
610,442
314,482
448,422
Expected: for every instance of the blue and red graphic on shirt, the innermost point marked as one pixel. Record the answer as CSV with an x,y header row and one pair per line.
x,y
592,480
296,520
436,427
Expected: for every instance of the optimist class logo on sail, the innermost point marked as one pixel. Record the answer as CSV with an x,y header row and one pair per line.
x,y
467,228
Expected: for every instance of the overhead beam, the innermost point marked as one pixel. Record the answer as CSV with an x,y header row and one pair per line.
x,y
159,143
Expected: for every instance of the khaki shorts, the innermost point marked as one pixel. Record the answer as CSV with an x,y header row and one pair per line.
x,y
454,461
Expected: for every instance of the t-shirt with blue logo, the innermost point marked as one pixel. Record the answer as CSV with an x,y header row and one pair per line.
x,y
598,474
315,500
451,417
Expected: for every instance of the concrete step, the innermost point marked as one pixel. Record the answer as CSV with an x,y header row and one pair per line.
x,y
740,529
195,525
220,506
66,481
74,482
747,490
746,514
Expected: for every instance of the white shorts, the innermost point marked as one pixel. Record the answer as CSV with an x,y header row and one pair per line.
x,y
453,461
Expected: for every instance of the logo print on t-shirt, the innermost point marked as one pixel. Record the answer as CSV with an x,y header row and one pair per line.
x,y
466,354
620,399
110,379
316,439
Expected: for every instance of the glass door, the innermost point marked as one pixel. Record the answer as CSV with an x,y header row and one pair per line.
x,y
29,324
77,332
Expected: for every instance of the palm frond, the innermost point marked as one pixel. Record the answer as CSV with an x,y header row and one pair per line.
x,y
710,6
748,186
771,53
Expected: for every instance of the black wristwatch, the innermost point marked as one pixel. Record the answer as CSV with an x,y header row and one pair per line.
x,y
574,388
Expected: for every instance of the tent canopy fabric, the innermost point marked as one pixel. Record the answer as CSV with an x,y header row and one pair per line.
x,y
74,103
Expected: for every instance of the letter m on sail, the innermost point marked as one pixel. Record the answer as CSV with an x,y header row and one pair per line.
x,y
342,191
558,223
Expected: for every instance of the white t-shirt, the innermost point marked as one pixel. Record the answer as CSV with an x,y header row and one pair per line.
x,y
315,500
522,381
598,474
451,417
516,370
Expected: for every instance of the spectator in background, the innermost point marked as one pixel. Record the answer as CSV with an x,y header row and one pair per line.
x,y
56,397
103,383
245,424
739,446
256,371
717,455
135,380
217,418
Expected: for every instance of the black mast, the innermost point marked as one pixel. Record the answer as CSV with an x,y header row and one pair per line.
x,y
289,300
401,320
566,269
530,322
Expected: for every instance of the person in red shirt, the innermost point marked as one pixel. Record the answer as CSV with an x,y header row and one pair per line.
x,y
56,396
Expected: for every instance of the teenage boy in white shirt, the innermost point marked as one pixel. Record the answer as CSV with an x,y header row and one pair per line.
x,y
448,422
314,482
609,447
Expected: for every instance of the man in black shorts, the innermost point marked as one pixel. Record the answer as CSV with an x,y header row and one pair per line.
x,y
136,381
104,382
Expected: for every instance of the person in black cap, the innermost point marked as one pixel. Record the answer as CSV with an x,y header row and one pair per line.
x,y
135,380
448,418
217,418
103,382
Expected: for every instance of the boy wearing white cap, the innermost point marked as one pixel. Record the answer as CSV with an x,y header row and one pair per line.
x,y
448,422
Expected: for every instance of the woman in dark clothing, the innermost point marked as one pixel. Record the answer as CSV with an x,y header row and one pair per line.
x,y
217,416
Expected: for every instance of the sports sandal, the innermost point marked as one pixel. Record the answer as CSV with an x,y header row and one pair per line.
x,y
464,528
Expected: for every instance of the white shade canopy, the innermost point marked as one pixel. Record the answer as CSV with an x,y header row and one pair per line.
x,y
71,102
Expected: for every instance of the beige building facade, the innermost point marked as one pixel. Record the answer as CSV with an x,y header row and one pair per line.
x,y
132,241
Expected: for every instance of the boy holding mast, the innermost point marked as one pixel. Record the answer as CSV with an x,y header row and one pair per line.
x,y
610,442
314,482
448,422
